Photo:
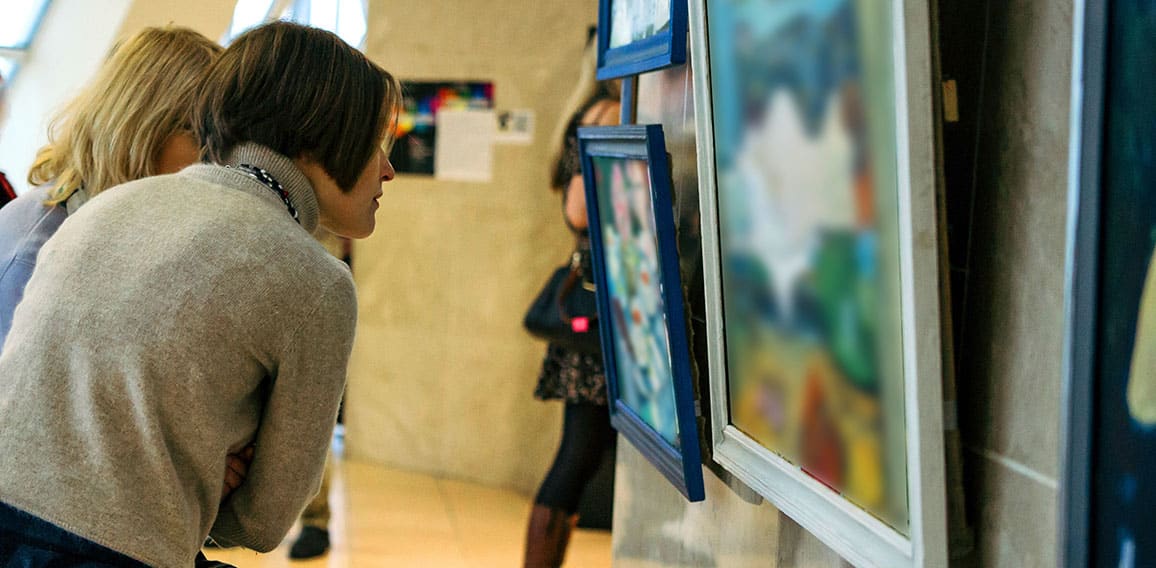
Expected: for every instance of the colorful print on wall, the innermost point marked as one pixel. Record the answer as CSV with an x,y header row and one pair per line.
x,y
416,131
806,168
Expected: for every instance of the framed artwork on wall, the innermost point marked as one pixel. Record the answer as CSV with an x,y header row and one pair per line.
x,y
817,172
636,36
1107,491
642,320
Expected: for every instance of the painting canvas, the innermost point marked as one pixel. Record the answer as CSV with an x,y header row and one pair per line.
x,y
809,242
1108,491
636,20
641,342
815,138
640,300
416,129
637,36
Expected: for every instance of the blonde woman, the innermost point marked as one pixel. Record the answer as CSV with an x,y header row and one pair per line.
x,y
131,122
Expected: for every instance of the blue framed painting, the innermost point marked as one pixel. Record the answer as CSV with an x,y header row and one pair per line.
x,y
640,302
636,36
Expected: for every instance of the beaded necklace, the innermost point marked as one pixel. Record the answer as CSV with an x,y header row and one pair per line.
x,y
270,182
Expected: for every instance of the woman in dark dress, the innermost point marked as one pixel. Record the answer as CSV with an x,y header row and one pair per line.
x,y
573,377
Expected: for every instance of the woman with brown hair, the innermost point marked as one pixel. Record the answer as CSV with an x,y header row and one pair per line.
x,y
180,318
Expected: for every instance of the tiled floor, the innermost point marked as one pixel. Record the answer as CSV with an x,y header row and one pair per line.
x,y
387,518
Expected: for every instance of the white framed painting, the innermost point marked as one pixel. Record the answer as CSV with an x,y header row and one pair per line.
x,y
817,165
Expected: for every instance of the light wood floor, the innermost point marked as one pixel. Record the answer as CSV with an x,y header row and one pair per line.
x,y
387,518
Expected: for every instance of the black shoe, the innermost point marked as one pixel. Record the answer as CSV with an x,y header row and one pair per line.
x,y
311,543
202,562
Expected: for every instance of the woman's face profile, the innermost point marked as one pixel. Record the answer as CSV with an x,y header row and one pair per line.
x,y
352,213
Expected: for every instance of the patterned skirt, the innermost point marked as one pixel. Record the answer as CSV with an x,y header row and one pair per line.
x,y
572,377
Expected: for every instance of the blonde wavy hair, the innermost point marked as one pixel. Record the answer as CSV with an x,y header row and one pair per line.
x,y
586,90
114,131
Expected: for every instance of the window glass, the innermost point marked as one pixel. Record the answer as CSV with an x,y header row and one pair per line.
x,y
247,14
8,68
345,18
19,22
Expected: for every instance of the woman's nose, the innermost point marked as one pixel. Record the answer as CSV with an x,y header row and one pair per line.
x,y
387,171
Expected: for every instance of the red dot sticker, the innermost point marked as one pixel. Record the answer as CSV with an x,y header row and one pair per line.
x,y
580,325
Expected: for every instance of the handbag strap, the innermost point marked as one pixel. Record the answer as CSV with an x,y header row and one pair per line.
x,y
574,278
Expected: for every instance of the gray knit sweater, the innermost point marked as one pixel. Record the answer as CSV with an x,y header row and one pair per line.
x,y
170,321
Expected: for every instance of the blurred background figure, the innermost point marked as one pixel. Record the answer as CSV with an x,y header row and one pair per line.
x,y
572,377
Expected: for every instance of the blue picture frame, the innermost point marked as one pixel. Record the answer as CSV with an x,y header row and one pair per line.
x,y
662,49
640,298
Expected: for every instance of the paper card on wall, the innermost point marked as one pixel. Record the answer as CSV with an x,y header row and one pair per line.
x,y
515,126
464,150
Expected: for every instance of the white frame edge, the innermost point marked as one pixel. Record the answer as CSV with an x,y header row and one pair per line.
x,y
854,534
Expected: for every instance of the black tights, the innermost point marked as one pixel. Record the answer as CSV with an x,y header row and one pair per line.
x,y
586,434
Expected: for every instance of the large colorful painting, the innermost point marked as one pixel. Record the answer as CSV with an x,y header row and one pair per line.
x,y
640,300
1108,488
806,229
809,244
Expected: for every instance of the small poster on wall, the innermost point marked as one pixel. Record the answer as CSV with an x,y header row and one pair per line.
x,y
515,126
416,137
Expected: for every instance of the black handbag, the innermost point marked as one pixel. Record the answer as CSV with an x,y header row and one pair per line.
x,y
565,312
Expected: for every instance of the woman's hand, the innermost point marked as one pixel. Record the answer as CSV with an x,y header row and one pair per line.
x,y
236,467
576,203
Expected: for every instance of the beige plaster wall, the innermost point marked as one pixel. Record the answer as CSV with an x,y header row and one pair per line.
x,y
210,17
1010,373
442,374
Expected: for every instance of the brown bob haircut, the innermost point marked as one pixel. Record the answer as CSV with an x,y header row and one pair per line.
x,y
302,92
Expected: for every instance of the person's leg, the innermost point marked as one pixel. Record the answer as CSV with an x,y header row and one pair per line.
x,y
27,540
586,433
314,538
